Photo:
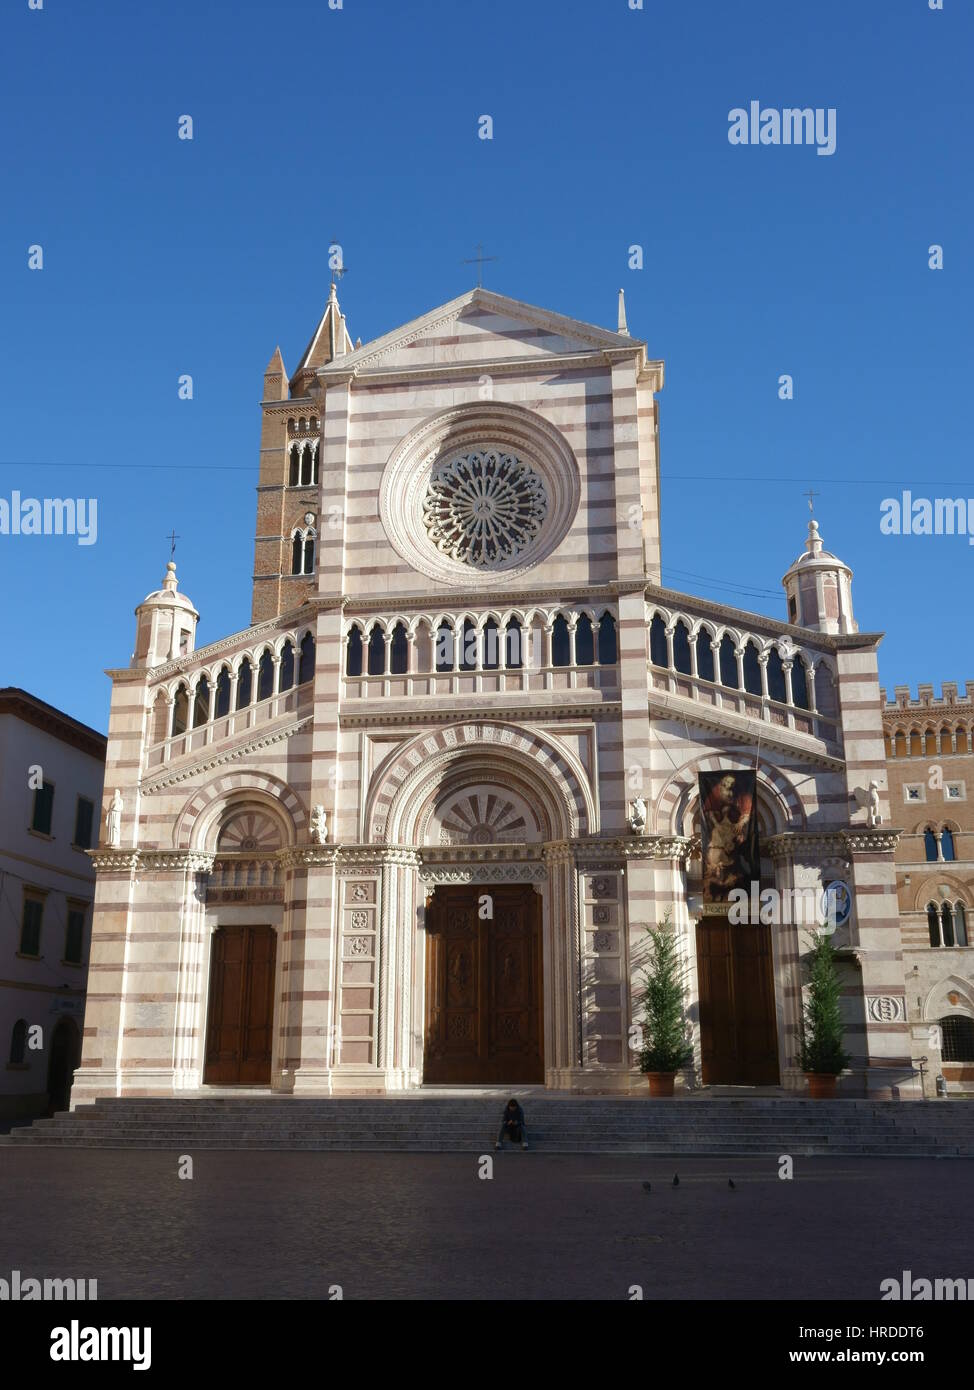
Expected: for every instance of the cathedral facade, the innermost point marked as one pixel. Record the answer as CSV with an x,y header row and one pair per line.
x,y
411,825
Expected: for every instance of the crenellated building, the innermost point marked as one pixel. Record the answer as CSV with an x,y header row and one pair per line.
x,y
930,752
411,825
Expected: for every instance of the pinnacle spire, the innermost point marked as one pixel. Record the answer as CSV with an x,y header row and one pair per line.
x,y
622,328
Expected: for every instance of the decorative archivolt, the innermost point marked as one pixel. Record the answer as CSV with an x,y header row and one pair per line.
x,y
938,1003
673,805
214,805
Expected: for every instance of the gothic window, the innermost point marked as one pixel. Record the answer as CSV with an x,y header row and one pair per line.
x,y
265,676
353,652
799,684
18,1042
399,651
560,646
444,647
752,670
947,924
223,693
513,643
287,667
377,652
309,553
776,677
244,680
705,656
681,648
947,844
180,711
201,702
468,651
930,845
960,925
307,464
608,646
658,654
933,924
297,553
584,642
294,477
728,662
957,1033
306,666
491,658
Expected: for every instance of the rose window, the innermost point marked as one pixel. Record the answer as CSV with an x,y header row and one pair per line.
x,y
484,509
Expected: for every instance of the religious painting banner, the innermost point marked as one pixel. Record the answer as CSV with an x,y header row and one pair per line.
x,y
729,833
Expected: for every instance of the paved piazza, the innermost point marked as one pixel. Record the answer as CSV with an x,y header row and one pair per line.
x,y
418,1226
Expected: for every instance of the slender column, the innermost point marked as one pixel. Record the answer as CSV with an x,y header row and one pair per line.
x,y
763,666
739,654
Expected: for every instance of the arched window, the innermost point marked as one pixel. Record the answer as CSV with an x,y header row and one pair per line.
x,y
933,924
947,843
377,652
560,647
491,656
728,662
180,711
752,670
776,677
353,652
608,646
18,1042
960,925
399,651
513,654
900,743
297,553
947,924
957,1033
468,651
294,477
306,665
444,647
244,679
584,642
705,656
306,465
265,675
930,845
681,648
309,553
201,702
799,684
223,693
916,744
658,653
287,667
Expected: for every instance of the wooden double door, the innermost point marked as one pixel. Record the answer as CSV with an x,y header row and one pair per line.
x,y
738,1030
484,1018
239,1034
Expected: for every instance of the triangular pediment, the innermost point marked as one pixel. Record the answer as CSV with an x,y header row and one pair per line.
x,y
481,326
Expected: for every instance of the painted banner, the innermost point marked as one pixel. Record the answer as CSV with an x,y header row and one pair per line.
x,y
729,833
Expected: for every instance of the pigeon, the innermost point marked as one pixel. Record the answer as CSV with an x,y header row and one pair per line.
x,y
647,1187
676,1180
731,1185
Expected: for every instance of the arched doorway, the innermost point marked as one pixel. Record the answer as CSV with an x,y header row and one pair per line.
x,y
64,1059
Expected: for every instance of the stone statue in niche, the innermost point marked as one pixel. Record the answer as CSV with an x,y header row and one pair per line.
x,y
875,815
113,820
637,816
319,825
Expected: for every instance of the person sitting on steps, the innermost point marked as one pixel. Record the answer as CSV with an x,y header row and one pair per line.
x,y
512,1126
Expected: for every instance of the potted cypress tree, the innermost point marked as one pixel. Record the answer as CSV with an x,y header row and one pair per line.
x,y
666,1046
822,1056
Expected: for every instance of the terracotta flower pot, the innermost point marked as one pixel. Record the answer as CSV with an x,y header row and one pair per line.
x,y
821,1085
660,1083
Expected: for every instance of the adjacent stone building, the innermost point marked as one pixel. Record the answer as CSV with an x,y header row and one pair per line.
x,y
930,748
412,823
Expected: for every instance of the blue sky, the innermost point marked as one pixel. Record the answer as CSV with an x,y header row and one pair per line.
x,y
164,257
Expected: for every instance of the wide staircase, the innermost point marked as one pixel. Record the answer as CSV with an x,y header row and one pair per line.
x,y
558,1125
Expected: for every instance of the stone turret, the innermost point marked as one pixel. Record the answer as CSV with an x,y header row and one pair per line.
x,y
166,624
818,587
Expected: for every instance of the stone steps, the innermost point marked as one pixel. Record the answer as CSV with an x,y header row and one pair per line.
x,y
565,1125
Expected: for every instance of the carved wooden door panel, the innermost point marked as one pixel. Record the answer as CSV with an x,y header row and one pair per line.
x,y
738,1031
239,1035
484,986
